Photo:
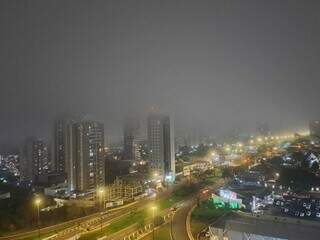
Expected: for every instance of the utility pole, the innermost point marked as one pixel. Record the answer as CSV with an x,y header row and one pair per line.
x,y
38,202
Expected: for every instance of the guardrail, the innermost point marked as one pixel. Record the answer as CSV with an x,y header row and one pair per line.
x,y
146,230
188,223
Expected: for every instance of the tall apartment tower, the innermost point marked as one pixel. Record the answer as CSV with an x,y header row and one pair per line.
x,y
314,127
84,155
34,160
60,138
131,131
161,146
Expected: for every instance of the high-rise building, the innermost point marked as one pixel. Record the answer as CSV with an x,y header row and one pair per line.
x,y
60,139
314,127
161,146
137,148
34,160
131,131
84,151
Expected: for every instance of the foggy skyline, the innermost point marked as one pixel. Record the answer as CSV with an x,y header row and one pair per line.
x,y
212,65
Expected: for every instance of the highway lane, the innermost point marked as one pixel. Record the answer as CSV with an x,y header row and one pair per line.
x,y
179,221
145,203
135,227
179,230
108,218
73,225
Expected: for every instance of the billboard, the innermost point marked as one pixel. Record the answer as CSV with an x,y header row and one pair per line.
x,y
227,194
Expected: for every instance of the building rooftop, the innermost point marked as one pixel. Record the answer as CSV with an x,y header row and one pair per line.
x,y
278,227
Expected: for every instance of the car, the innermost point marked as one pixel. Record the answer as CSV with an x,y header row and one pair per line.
x,y
306,205
308,213
318,214
302,214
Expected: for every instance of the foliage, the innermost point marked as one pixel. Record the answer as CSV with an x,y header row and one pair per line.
x,y
207,212
298,179
116,226
16,211
177,196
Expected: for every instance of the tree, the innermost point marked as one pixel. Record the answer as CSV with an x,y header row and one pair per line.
x,y
314,167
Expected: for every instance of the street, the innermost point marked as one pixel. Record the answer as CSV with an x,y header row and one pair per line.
x,y
179,231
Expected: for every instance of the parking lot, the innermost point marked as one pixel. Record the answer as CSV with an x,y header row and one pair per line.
x,y
301,207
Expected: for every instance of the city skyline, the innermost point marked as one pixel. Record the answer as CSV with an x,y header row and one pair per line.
x,y
159,119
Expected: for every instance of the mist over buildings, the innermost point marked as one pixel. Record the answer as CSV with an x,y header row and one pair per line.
x,y
213,66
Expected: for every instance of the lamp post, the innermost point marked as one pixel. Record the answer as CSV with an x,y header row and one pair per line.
x,y
102,202
37,203
153,211
171,223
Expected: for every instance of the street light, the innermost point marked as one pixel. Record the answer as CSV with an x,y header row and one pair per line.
x,y
37,202
154,208
102,202
171,223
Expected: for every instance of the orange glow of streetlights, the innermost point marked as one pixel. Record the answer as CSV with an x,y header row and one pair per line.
x,y
153,208
101,193
37,202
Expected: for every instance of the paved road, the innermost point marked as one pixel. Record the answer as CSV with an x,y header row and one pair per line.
x,y
70,226
140,205
179,230
73,227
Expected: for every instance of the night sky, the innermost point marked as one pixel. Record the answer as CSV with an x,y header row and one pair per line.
x,y
213,65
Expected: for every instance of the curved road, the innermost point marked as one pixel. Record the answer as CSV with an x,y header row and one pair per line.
x,y
179,230
71,226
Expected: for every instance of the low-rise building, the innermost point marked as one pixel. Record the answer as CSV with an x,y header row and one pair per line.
x,y
5,195
196,166
123,190
56,190
234,226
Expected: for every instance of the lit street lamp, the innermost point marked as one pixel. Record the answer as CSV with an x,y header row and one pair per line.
x,y
102,202
153,211
37,203
171,223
